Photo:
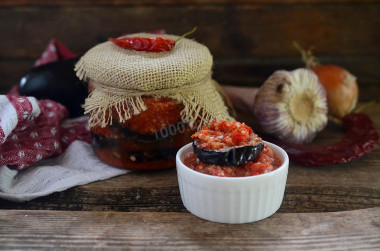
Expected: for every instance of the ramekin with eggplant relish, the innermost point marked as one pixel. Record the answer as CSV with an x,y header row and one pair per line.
x,y
229,175
230,149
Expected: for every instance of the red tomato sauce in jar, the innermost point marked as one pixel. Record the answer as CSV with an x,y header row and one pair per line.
x,y
147,141
267,161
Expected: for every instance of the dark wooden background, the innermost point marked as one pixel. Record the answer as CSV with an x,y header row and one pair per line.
x,y
248,38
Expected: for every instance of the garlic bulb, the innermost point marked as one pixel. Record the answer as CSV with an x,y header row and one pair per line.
x,y
292,106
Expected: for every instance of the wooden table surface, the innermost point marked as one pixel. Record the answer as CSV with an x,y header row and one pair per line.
x,y
328,207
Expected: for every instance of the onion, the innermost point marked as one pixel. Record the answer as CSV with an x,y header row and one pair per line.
x,y
341,89
340,85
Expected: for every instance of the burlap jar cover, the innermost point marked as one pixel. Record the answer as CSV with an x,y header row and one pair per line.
x,y
120,78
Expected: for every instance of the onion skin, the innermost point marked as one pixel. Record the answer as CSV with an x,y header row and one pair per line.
x,y
341,89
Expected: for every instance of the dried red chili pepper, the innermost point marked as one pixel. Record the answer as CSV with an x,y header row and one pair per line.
x,y
361,138
154,44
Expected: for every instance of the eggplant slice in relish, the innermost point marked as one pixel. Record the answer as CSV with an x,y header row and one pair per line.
x,y
230,156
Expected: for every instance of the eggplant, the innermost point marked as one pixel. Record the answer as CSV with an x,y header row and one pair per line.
x,y
230,156
56,81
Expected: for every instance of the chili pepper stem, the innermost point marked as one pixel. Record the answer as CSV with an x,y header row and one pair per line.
x,y
335,120
186,34
307,56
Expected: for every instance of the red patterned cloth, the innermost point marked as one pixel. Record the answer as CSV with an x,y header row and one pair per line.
x,y
29,130
32,130
54,51
75,129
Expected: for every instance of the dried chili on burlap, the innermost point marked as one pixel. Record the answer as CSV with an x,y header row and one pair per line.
x,y
361,137
154,44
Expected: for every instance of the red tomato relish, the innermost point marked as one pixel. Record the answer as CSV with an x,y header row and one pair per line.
x,y
222,134
266,162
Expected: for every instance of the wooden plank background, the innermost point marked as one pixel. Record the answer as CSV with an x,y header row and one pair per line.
x,y
47,230
248,38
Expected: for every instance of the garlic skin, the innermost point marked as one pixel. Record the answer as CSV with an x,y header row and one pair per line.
x,y
291,106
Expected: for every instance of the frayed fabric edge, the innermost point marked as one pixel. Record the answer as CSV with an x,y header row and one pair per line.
x,y
198,111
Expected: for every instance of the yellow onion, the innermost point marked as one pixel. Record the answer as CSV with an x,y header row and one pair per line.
x,y
341,89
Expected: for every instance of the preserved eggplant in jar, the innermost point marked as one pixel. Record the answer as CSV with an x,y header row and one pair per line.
x,y
147,141
145,105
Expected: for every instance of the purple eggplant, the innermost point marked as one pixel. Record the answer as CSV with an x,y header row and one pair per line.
x,y
56,81
230,156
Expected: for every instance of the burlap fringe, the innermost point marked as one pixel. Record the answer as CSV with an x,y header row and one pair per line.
x,y
201,101
80,70
100,106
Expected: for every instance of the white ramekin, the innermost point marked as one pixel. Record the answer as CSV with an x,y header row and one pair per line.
x,y
232,200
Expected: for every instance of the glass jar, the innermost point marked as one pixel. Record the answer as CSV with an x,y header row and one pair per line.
x,y
147,141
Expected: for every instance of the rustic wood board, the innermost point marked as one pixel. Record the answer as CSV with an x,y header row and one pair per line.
x,y
168,2
46,230
248,38
229,30
350,186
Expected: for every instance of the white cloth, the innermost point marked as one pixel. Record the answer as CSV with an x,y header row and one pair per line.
x,y
78,165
